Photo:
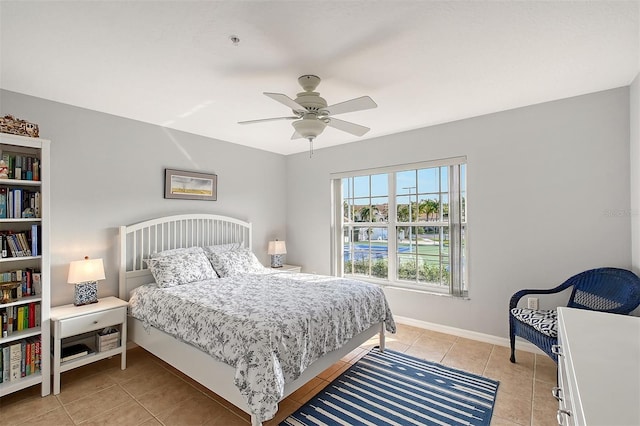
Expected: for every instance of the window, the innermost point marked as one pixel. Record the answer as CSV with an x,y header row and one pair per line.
x,y
403,226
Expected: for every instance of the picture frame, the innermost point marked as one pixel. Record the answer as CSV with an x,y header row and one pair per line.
x,y
186,185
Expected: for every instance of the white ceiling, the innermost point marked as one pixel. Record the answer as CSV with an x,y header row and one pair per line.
x,y
171,63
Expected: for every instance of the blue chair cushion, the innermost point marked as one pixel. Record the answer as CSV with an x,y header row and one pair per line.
x,y
545,321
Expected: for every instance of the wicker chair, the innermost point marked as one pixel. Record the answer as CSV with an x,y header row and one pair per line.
x,y
604,289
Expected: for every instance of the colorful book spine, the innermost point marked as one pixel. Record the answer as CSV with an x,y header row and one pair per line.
x,y
27,358
35,240
20,318
38,355
32,316
3,202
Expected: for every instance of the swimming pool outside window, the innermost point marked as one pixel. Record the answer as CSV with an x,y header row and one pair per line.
x,y
417,212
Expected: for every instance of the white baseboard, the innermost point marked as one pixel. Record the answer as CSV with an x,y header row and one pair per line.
x,y
474,335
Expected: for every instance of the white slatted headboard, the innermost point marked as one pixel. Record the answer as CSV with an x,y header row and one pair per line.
x,y
140,240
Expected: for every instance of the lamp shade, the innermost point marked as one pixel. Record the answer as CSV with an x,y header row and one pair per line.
x,y
277,247
87,270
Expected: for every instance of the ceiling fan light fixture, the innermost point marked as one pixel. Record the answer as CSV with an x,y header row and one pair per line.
x,y
309,128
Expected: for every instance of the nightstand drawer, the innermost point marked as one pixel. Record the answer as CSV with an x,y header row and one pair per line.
x,y
90,322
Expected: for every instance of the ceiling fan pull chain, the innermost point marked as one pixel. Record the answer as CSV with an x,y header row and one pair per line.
x,y
310,147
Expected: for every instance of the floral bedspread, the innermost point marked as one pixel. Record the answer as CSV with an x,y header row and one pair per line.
x,y
270,327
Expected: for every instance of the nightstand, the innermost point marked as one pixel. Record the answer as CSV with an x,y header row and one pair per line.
x,y
72,324
289,268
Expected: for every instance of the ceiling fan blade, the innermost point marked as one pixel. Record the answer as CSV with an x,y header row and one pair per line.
x,y
357,104
346,126
285,100
267,119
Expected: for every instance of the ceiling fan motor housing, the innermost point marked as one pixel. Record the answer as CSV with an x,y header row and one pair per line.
x,y
311,101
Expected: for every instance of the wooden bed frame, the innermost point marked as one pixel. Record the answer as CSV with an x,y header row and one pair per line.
x,y
140,240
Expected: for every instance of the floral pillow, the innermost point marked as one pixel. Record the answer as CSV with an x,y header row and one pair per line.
x,y
223,247
173,252
234,262
180,268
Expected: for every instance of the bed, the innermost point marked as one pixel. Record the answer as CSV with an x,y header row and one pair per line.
x,y
275,348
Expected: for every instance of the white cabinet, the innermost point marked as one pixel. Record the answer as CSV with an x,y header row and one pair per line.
x,y
598,368
22,215
80,324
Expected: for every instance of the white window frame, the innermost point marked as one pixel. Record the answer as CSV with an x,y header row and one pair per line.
x,y
459,276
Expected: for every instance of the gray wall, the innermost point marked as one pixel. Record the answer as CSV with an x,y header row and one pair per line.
x,y
546,187
634,134
108,171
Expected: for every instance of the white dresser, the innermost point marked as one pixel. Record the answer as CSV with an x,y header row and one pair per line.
x,y
598,368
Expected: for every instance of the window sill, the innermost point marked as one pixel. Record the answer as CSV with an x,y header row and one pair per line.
x,y
398,286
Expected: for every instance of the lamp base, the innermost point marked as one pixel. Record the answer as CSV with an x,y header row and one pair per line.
x,y
86,293
276,261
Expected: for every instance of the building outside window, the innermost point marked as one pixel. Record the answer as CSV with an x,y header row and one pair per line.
x,y
403,226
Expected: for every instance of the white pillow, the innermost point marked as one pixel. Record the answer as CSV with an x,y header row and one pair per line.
x,y
180,268
234,262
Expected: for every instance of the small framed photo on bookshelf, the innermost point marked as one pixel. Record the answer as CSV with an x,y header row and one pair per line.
x,y
186,185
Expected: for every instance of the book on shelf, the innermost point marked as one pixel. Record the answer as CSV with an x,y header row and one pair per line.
x,y
4,323
35,240
20,326
30,280
18,202
15,357
6,359
25,243
20,359
17,171
18,318
4,246
31,317
9,320
36,282
75,351
3,203
19,166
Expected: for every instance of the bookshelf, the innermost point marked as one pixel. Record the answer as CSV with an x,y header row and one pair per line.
x,y
25,219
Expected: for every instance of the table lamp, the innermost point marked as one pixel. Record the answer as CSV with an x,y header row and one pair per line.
x,y
276,250
85,274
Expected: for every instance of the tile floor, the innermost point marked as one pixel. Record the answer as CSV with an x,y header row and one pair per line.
x,y
150,392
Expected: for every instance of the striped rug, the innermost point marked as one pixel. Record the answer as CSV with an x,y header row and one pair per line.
x,y
392,388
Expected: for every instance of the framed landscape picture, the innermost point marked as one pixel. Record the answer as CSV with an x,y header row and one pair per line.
x,y
190,185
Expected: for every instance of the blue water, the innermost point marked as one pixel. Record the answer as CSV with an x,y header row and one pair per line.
x,y
361,251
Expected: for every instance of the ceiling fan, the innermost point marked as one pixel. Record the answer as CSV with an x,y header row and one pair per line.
x,y
311,113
